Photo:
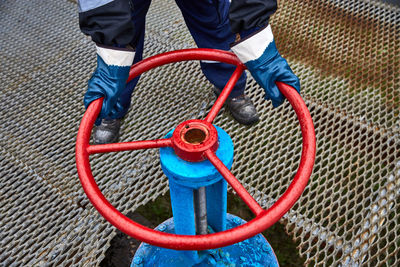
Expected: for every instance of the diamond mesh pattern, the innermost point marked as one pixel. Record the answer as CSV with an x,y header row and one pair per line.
x,y
347,55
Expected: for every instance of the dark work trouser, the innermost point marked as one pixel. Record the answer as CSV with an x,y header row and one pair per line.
x,y
208,23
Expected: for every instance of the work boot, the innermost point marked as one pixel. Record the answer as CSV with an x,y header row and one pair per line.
x,y
107,132
241,108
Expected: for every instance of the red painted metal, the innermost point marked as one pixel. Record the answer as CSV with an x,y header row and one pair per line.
x,y
224,94
135,145
194,152
264,218
183,55
232,181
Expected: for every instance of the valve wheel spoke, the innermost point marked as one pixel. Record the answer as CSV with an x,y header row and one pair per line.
x,y
125,146
234,183
224,94
86,128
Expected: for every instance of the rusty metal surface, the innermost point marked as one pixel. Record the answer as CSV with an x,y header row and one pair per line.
x,y
347,55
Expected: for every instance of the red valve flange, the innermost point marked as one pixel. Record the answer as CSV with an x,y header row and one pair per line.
x,y
194,137
196,140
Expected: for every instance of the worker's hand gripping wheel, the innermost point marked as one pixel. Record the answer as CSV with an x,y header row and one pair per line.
x,y
195,145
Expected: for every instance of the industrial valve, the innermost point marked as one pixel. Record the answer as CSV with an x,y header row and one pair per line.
x,y
196,157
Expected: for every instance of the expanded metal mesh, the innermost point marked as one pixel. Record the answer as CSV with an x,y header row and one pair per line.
x,y
347,55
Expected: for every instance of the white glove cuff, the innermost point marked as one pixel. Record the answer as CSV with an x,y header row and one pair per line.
x,y
116,56
254,46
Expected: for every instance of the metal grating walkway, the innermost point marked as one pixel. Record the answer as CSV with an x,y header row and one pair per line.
x,y
347,55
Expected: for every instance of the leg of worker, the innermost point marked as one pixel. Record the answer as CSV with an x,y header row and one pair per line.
x,y
140,8
208,23
108,130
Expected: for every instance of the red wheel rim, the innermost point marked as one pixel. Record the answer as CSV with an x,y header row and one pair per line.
x,y
263,219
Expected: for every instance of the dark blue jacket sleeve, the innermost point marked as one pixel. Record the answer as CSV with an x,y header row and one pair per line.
x,y
245,15
108,22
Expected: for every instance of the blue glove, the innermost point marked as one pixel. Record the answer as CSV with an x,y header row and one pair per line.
x,y
109,79
258,52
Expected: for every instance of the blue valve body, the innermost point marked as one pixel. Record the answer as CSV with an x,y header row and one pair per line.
x,y
184,177
252,252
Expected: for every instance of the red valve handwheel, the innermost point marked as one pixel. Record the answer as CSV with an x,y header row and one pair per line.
x,y
263,219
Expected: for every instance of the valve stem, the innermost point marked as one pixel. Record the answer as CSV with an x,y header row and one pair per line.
x,y
200,209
